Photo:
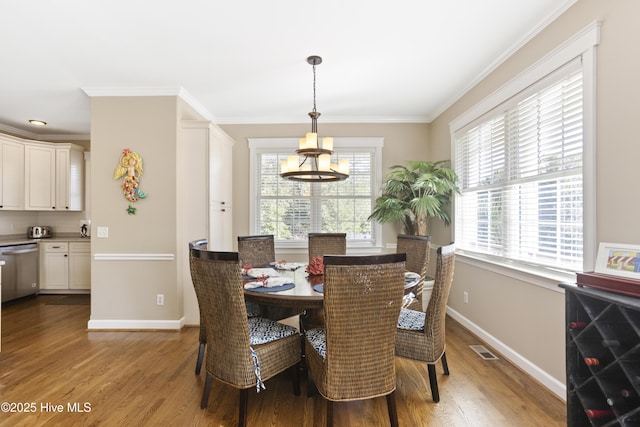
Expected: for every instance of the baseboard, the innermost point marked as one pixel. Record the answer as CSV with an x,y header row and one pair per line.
x,y
136,325
555,386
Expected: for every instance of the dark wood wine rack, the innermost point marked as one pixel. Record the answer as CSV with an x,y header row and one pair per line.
x,y
603,358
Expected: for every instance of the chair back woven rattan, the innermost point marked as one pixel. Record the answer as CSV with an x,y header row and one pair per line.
x,y
202,245
418,249
362,300
257,251
218,283
428,345
327,244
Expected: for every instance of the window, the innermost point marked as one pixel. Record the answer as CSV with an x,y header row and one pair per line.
x,y
290,210
524,164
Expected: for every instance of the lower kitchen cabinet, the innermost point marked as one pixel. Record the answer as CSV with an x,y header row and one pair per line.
x,y
79,265
65,266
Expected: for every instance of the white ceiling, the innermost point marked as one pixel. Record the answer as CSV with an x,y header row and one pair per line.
x,y
244,61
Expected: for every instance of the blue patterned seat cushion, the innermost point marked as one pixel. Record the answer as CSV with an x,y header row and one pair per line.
x,y
318,341
411,320
263,330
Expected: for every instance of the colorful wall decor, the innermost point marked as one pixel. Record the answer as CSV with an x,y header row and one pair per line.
x,y
130,166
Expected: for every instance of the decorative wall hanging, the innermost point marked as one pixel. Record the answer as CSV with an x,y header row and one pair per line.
x,y
130,166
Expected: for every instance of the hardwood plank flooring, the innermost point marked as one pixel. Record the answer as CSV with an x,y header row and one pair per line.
x,y
119,378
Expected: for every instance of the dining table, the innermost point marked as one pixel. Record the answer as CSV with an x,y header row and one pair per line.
x,y
306,292
301,296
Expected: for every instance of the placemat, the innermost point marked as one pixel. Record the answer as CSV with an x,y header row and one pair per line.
x,y
269,289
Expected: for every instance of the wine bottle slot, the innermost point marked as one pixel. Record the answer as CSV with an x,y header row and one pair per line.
x,y
622,400
598,413
614,401
611,343
592,361
577,325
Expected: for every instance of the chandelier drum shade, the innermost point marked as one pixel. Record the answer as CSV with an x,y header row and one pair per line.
x,y
312,161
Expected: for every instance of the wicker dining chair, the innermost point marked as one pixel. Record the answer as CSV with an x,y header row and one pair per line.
x,y
257,251
243,351
327,244
352,357
417,249
421,335
202,245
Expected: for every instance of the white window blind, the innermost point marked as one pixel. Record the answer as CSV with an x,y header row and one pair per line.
x,y
290,210
520,170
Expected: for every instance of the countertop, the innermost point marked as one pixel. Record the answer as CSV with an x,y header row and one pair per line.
x,y
18,239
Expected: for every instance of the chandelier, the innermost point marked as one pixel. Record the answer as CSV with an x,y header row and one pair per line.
x,y
312,162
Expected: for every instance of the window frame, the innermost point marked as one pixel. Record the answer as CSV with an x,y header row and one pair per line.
x,y
581,45
374,145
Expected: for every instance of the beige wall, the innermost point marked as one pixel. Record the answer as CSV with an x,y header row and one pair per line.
x,y
126,290
526,318
401,142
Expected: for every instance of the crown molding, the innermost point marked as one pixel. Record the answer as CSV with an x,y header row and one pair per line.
x,y
151,91
503,58
47,137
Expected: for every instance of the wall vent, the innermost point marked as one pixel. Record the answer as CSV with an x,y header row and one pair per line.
x,y
483,352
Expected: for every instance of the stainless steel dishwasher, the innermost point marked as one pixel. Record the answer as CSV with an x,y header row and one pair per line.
x,y
20,271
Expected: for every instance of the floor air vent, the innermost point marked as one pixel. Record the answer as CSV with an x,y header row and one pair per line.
x,y
483,352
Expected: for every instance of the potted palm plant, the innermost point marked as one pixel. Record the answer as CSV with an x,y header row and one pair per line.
x,y
414,192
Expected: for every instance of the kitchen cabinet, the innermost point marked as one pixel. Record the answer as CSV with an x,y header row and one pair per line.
x,y
79,265
65,266
69,178
54,270
11,175
40,176
54,177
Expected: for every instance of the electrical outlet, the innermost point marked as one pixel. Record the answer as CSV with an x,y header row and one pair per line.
x,y
160,299
465,297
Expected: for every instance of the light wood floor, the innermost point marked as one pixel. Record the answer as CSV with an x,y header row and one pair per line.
x,y
147,378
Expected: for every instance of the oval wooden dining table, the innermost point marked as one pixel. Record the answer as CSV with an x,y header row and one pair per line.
x,y
302,296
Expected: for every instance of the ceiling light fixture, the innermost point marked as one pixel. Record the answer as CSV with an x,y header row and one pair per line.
x,y
37,122
316,160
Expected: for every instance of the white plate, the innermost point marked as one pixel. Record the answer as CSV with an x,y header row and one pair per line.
x,y
411,275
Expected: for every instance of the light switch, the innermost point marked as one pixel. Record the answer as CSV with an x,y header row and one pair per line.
x,y
103,231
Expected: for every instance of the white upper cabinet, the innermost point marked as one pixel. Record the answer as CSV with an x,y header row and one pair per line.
x,y
52,176
40,177
69,178
11,175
